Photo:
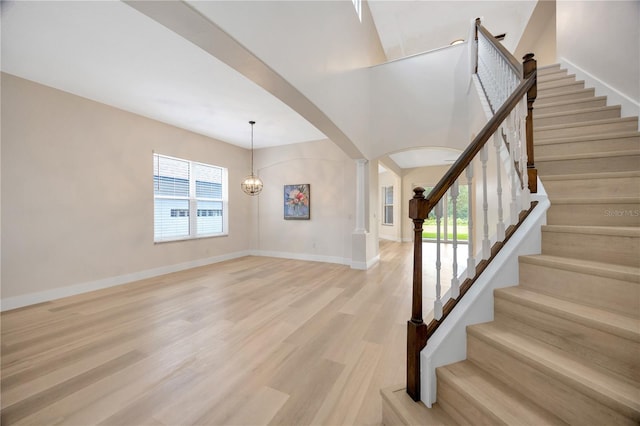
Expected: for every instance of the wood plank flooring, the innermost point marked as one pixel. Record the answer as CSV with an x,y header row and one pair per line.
x,y
252,341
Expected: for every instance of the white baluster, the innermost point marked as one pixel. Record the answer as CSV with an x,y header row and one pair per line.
x,y
525,198
471,261
437,305
455,290
486,245
500,230
513,206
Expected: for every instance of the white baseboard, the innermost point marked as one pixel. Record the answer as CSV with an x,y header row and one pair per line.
x,y
387,238
366,265
630,107
301,256
72,290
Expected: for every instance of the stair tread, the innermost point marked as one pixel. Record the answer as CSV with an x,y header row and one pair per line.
x,y
587,176
412,413
500,400
595,200
565,83
577,111
588,155
545,96
609,270
624,231
607,321
571,102
619,393
556,77
586,138
586,123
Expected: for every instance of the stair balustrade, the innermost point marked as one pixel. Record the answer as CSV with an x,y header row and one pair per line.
x,y
510,88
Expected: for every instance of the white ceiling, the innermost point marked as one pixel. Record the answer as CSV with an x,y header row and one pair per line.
x,y
409,27
109,52
421,157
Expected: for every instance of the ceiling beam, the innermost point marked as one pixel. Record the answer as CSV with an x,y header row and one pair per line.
x,y
190,24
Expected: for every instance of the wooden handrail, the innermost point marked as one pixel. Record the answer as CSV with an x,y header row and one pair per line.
x,y
476,145
420,206
511,60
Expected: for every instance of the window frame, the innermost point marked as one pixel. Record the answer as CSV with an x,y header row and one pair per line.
x,y
193,201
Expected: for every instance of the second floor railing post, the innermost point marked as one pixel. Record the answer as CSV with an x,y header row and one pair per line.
x,y
416,327
529,66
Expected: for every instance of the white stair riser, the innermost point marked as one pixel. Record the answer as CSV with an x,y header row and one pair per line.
x,y
577,117
588,129
600,145
598,214
618,250
565,107
550,392
593,290
560,88
611,352
629,162
550,98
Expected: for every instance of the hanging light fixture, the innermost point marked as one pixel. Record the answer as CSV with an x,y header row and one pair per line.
x,y
251,185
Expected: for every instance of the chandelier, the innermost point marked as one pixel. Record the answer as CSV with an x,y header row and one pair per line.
x,y
251,185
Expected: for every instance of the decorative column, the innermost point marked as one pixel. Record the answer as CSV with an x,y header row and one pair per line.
x,y
361,173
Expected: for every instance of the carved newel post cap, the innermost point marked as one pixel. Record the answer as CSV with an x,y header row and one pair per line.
x,y
418,192
528,57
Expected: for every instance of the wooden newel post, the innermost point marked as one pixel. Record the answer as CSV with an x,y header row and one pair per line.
x,y
529,66
416,328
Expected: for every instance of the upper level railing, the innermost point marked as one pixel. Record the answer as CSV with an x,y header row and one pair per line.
x,y
511,90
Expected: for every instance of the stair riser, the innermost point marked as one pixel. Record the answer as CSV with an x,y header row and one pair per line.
x,y
462,410
604,349
556,81
599,145
618,126
610,214
549,98
551,109
551,75
548,391
605,187
618,250
604,292
549,69
552,89
626,163
577,117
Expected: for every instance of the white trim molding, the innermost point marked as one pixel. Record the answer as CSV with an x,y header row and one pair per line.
x,y
630,107
75,289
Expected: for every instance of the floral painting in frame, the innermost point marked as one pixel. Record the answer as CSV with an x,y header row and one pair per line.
x,y
297,202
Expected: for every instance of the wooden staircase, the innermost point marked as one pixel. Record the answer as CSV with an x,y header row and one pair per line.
x,y
564,346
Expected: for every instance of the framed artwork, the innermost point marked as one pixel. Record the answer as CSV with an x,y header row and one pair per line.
x,y
297,202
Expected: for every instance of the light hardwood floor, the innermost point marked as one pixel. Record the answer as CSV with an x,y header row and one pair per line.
x,y
250,341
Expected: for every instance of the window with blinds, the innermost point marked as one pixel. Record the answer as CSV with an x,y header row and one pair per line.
x,y
387,205
190,199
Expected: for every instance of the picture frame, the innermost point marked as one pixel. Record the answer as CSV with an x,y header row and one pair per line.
x,y
297,202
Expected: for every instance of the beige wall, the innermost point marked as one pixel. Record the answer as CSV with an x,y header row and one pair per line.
x,y
77,191
331,174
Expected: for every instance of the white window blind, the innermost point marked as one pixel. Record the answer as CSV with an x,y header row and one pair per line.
x,y
190,199
387,205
